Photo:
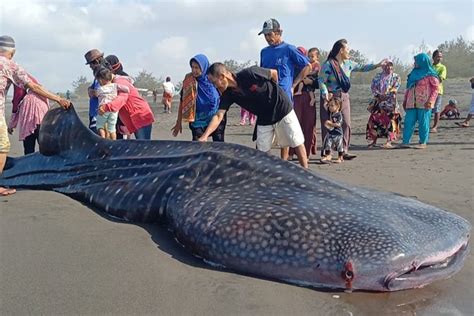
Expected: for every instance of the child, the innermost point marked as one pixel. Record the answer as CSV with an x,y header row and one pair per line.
x,y
450,110
334,137
313,56
106,93
244,115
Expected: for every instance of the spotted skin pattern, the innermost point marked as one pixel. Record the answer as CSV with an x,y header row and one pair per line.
x,y
249,211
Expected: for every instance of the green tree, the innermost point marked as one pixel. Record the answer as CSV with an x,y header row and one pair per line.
x,y
236,66
80,86
360,77
323,55
146,80
458,57
423,48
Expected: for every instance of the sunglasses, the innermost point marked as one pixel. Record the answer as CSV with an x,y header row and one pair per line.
x,y
94,62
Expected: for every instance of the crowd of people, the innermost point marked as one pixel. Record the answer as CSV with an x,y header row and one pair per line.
x,y
279,97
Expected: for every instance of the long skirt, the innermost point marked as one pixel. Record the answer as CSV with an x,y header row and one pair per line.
x,y
346,123
306,114
383,124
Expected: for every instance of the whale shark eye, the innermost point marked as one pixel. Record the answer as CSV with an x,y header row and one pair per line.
x,y
348,275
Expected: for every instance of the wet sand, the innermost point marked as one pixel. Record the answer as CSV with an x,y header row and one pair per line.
x,y
58,256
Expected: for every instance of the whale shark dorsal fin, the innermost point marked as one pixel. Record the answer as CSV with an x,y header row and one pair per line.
x,y
62,131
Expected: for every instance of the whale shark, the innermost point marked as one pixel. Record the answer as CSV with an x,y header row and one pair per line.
x,y
248,211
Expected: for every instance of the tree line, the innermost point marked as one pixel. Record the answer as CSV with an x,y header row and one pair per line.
x,y
458,58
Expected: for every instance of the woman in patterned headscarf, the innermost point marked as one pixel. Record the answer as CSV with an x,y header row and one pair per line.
x,y
384,120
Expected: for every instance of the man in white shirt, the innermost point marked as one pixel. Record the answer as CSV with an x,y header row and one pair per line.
x,y
168,92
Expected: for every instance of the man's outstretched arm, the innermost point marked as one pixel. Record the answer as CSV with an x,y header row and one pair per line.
x,y
213,124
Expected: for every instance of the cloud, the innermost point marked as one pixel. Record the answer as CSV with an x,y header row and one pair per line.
x,y
409,51
445,18
251,44
160,36
470,33
167,57
175,47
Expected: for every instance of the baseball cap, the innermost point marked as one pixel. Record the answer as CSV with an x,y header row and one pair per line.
x,y
7,41
270,26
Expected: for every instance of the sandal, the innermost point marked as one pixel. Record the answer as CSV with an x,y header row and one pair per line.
x,y
349,156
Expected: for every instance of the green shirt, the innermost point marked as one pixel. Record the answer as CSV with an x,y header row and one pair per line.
x,y
442,72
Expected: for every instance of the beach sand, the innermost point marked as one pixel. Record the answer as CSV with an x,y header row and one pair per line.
x,y
57,256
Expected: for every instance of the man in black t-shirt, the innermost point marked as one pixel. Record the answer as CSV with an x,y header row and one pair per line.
x,y
256,90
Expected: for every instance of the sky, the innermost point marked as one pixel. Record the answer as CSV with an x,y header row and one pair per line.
x,y
161,36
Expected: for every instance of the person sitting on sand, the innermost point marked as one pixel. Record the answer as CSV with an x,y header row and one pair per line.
x,y
450,110
465,123
334,137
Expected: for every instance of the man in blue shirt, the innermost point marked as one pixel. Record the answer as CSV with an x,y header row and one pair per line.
x,y
284,58
94,58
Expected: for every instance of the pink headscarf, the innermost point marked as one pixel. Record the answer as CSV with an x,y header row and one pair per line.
x,y
302,50
383,82
386,69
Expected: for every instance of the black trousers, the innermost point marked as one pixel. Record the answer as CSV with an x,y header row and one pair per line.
x,y
217,136
29,142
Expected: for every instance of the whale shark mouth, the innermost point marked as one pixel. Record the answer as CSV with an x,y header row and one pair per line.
x,y
415,277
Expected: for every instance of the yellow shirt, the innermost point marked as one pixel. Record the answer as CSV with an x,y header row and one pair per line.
x,y
442,72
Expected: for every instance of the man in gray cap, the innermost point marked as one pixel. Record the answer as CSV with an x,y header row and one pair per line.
x,y
11,72
285,59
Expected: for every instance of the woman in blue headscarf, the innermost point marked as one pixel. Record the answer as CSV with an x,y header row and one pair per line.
x,y
420,95
199,101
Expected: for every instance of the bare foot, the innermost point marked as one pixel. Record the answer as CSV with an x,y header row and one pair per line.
x,y
387,146
434,130
462,124
6,191
326,159
421,146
